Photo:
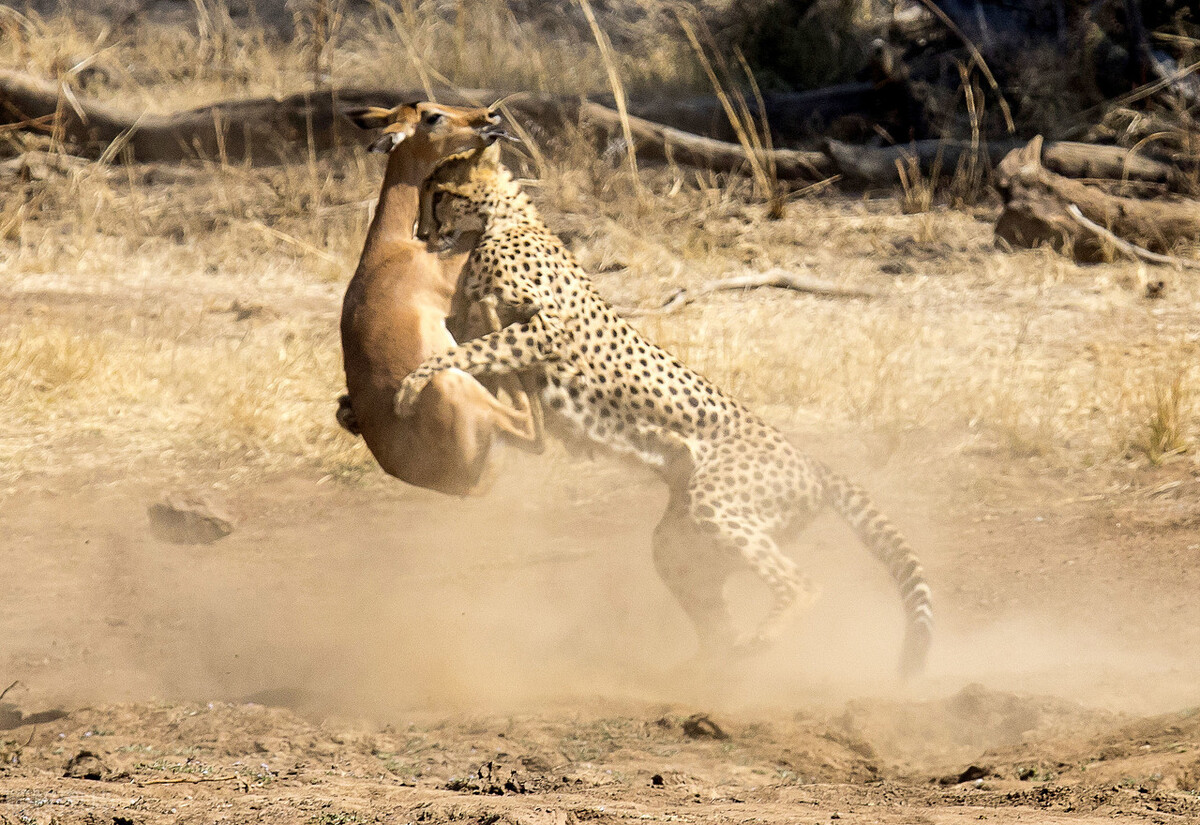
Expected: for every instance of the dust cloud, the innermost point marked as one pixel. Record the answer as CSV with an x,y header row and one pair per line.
x,y
328,601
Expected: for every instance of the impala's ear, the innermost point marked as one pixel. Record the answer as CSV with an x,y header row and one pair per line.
x,y
397,124
402,125
395,133
371,117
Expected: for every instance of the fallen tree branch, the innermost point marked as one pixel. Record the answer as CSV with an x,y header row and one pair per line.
x,y
664,143
1035,211
261,130
854,107
1132,250
1089,160
268,130
875,166
778,278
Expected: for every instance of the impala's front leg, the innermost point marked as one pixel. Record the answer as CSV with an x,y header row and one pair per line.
x,y
512,349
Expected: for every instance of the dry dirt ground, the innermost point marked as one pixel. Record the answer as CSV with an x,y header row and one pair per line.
x,y
358,651
388,655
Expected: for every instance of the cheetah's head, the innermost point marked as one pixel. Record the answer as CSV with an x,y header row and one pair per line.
x,y
473,174
474,182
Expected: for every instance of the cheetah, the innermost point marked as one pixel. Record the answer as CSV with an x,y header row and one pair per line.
x,y
737,487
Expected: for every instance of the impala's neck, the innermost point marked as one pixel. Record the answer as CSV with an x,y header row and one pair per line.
x,y
399,200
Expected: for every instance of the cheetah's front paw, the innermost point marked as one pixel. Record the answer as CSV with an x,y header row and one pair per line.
x,y
406,396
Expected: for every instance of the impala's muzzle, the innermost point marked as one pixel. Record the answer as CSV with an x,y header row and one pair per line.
x,y
494,130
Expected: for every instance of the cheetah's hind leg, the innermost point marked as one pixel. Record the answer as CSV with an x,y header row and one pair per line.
x,y
791,591
695,569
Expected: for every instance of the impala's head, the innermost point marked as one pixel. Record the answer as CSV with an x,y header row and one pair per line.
x,y
429,131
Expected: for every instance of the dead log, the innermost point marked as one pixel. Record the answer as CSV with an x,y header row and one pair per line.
x,y
659,142
847,110
1088,160
1036,203
269,130
879,166
876,166
262,130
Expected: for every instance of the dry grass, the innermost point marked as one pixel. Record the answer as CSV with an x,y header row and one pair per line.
x,y
1166,425
182,321
479,44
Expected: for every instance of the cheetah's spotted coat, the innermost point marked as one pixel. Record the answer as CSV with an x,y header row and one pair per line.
x,y
736,484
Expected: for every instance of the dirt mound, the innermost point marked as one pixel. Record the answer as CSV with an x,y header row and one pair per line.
x,y
947,731
1147,755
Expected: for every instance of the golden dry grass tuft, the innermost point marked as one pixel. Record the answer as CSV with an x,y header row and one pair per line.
x,y
1165,433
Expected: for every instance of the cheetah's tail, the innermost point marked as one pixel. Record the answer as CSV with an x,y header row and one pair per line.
x,y
878,533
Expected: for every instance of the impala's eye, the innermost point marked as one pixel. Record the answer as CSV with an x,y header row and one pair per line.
x,y
433,118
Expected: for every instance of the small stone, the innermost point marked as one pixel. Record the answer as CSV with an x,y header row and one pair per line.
x,y
188,519
85,765
699,726
974,773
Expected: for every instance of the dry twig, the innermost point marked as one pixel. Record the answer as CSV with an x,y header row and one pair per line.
x,y
1131,249
778,278
188,780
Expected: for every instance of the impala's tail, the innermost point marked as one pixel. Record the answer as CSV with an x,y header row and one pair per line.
x,y
878,533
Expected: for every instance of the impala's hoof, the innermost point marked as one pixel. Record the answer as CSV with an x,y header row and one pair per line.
x,y
346,417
